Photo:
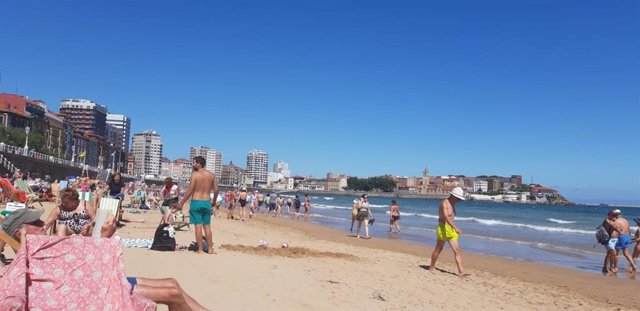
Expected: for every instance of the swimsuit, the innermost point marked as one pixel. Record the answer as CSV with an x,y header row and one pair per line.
x,y
624,240
242,202
74,221
200,212
395,218
611,244
445,232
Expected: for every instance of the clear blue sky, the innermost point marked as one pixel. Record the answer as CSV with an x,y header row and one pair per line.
x,y
545,89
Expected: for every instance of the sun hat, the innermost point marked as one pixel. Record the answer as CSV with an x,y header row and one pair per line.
x,y
458,193
615,212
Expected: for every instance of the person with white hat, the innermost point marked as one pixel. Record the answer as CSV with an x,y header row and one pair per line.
x,y
619,239
447,231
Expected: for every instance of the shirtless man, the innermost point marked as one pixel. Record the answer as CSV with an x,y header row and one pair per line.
x,y
447,231
242,200
202,183
636,239
620,239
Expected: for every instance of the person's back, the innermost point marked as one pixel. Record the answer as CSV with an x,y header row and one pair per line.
x,y
203,182
622,225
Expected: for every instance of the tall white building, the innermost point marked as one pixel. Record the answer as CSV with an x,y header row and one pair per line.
x,y
258,166
123,123
146,147
282,168
214,159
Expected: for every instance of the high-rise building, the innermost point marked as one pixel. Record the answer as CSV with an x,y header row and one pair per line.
x,y
86,116
213,158
146,147
258,166
282,168
123,123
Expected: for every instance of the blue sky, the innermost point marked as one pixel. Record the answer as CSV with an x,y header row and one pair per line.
x,y
545,89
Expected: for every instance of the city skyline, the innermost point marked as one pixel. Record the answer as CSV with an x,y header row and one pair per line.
x,y
544,90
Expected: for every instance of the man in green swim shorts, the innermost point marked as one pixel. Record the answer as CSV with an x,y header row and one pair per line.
x,y
447,231
202,184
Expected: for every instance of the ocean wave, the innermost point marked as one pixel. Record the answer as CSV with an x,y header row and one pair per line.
x,y
324,206
560,221
378,205
493,222
328,198
330,217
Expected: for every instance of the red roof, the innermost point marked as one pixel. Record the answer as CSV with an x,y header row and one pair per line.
x,y
14,104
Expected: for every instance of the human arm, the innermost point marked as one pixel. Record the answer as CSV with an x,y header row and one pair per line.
x,y
216,191
53,216
189,191
449,218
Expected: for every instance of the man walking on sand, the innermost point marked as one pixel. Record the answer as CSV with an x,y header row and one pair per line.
x,y
447,231
202,183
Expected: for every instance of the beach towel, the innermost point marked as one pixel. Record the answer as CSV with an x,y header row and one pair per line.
x,y
69,273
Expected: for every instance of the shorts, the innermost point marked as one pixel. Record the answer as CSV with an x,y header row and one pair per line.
x,y
362,215
624,240
272,206
260,203
611,244
395,218
446,233
200,212
242,202
170,202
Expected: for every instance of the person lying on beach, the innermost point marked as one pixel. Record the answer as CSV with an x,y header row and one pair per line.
x,y
73,216
162,291
202,183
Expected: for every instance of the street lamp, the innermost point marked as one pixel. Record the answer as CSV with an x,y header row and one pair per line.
x,y
26,142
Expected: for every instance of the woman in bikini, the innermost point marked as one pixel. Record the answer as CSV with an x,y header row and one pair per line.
x,y
395,216
73,216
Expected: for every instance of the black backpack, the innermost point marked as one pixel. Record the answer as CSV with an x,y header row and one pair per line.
x,y
162,240
602,236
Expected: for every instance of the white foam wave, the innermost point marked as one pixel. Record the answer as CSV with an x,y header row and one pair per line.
x,y
378,205
328,198
493,222
560,221
324,206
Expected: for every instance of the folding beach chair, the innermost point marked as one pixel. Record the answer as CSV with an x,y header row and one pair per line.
x,y
112,205
69,273
31,196
11,194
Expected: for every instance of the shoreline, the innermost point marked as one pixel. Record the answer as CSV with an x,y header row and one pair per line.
x,y
334,270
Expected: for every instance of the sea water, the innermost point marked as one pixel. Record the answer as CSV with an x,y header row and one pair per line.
x,y
548,234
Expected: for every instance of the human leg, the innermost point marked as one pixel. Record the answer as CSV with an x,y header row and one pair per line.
x,y
199,237
435,254
209,237
166,291
358,230
627,255
366,228
457,252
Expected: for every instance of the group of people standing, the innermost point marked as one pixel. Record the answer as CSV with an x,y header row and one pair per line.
x,y
619,232
361,212
256,202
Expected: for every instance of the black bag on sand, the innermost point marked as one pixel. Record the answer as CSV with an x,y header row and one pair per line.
x,y
162,240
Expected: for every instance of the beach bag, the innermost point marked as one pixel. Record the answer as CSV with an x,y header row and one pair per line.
x,y
164,240
602,236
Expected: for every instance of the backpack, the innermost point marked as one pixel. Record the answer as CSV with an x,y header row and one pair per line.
x,y
163,239
602,236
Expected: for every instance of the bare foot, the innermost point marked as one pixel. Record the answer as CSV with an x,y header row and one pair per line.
x,y
464,275
212,252
358,237
432,270
200,253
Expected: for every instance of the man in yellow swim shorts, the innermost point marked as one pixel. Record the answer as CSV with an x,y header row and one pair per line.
x,y
447,231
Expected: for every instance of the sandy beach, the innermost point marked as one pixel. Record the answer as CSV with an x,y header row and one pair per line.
x,y
329,269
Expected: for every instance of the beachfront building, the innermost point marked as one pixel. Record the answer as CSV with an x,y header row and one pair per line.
x,y
282,168
233,175
213,158
85,115
258,166
123,123
181,170
165,167
147,149
480,186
